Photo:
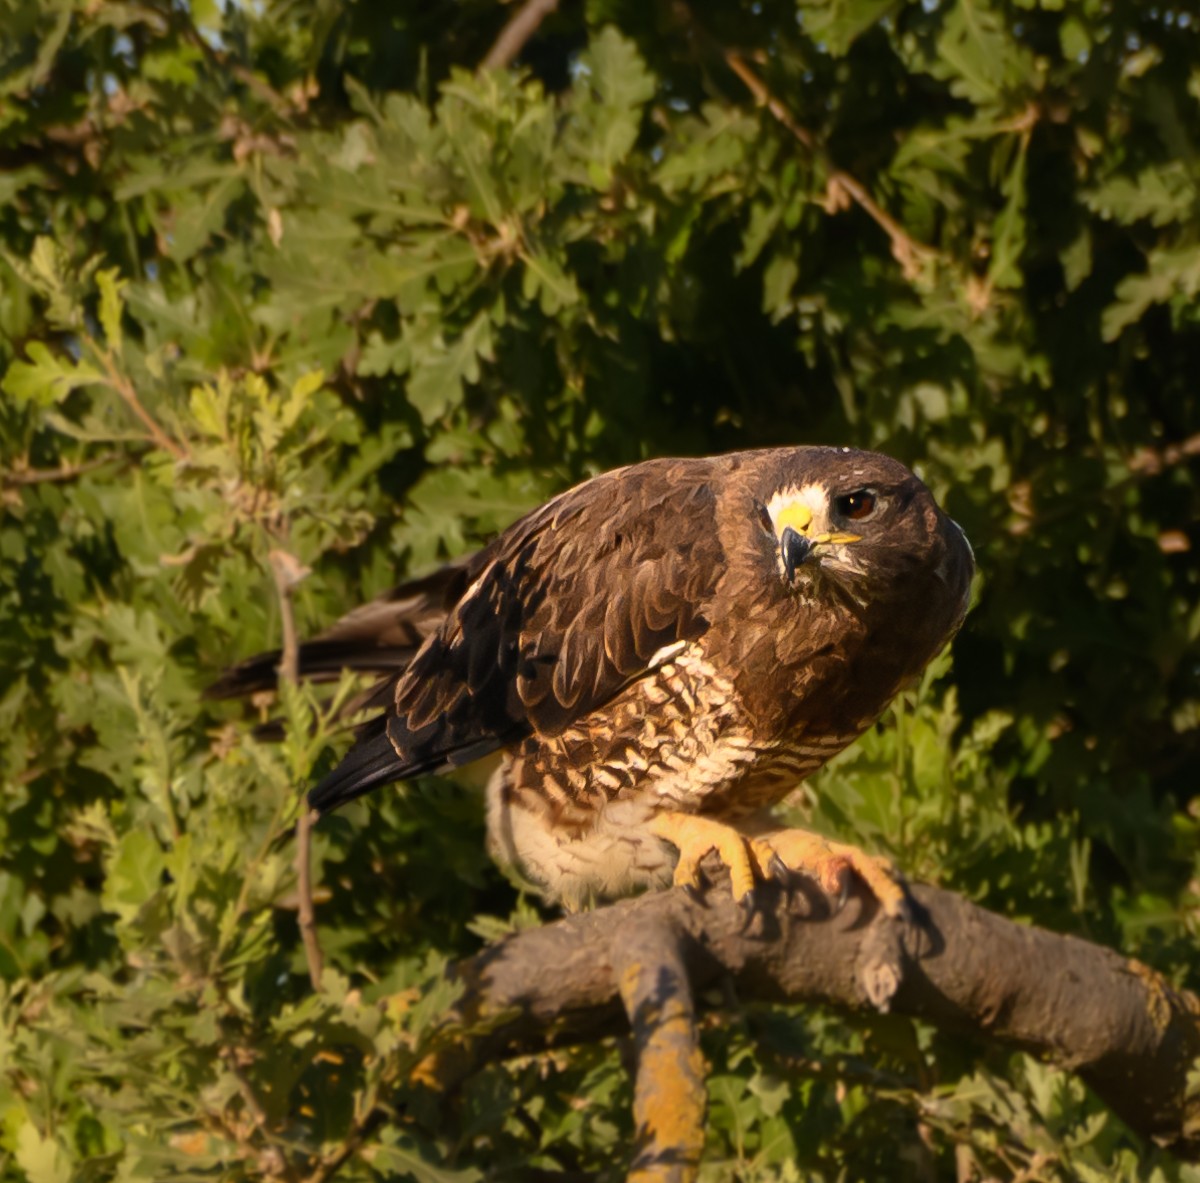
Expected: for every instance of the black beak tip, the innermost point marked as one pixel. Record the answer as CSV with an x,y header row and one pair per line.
x,y
795,549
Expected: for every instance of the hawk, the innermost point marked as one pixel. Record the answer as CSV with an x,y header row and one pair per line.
x,y
660,654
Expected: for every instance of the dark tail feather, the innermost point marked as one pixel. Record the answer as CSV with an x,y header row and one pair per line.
x,y
317,661
371,762
380,637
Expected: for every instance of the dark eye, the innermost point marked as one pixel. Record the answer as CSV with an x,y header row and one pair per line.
x,y
764,518
856,506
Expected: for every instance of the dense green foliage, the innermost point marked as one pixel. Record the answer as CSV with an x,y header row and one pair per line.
x,y
293,276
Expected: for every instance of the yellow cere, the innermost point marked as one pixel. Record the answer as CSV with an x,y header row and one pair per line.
x,y
795,514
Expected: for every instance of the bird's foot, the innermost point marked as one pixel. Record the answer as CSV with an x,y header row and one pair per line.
x,y
777,856
696,837
830,865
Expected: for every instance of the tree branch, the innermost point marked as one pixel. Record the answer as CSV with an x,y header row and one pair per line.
x,y
514,36
841,187
288,572
117,381
669,1099
64,472
1118,1024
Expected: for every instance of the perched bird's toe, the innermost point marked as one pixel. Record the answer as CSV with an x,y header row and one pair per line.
x,y
832,865
696,838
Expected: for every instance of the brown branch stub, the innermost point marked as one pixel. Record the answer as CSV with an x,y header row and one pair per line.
x,y
287,571
516,33
670,1096
1126,1032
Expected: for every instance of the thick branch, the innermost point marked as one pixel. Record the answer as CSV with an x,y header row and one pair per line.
x,y
669,1099
1115,1022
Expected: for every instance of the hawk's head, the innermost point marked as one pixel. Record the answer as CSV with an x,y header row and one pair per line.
x,y
859,525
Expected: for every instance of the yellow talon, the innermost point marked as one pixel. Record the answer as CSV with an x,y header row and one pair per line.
x,y
696,837
827,862
759,857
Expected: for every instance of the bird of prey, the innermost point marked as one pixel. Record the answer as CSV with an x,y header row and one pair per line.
x,y
660,654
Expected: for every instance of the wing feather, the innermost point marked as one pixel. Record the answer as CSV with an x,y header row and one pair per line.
x,y
564,610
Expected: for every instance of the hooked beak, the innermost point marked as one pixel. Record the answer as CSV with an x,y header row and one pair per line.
x,y
795,548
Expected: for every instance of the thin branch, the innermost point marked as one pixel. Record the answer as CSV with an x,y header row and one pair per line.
x,y
123,387
288,573
841,186
1130,1035
305,915
907,251
336,1159
516,33
273,1161
1143,464
64,472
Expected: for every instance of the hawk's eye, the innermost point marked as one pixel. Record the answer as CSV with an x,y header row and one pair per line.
x,y
857,506
764,518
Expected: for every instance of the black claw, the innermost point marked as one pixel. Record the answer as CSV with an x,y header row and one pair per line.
x,y
779,871
748,906
839,901
693,893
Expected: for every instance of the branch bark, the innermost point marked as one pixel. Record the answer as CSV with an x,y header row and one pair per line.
x,y
669,1097
516,33
287,573
1117,1023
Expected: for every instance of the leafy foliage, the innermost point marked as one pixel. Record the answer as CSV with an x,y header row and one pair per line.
x,y
294,277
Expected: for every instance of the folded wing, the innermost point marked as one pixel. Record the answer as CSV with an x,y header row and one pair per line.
x,y
560,613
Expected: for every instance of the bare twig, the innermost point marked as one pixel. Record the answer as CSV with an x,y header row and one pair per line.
x,y
1143,464
64,472
123,387
305,915
841,186
287,573
907,251
272,1161
1152,461
333,1162
521,26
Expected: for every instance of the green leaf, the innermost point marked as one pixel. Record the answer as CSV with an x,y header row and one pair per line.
x,y
111,304
837,23
546,281
1008,232
196,216
134,875
1162,195
779,278
41,1158
439,370
612,85
46,379
979,56
1169,274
